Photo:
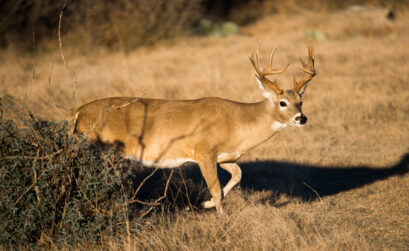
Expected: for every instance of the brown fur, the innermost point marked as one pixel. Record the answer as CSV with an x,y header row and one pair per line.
x,y
207,130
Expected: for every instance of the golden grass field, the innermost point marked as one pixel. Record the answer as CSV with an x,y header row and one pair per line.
x,y
339,183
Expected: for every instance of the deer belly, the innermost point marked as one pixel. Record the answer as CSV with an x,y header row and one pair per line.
x,y
163,163
228,157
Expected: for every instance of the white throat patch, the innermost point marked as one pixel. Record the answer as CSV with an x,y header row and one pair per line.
x,y
276,126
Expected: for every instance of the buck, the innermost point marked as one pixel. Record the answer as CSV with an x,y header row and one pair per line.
x,y
207,131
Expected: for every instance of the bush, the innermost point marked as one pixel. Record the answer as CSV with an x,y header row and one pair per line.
x,y
127,24
56,187
122,23
207,28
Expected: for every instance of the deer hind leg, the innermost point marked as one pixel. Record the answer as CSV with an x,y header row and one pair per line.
x,y
209,171
235,172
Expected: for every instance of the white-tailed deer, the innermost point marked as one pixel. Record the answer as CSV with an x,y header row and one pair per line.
x,y
208,131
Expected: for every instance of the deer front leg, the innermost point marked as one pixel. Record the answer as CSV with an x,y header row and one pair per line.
x,y
235,172
209,172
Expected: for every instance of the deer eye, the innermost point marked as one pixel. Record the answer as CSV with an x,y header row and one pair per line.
x,y
283,104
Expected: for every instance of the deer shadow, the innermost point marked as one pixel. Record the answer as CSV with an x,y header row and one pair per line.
x,y
302,181
309,182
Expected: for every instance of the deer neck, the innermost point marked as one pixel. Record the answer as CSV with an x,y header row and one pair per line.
x,y
261,126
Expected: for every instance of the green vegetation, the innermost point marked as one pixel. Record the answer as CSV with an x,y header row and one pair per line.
x,y
207,28
56,187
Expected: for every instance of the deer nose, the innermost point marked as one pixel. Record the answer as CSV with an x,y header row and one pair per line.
x,y
302,119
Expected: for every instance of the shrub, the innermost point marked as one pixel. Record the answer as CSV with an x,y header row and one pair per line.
x,y
127,23
56,187
207,28
122,23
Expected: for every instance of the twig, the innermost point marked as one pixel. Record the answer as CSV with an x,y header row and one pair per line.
x,y
73,72
160,198
59,35
32,185
143,182
312,189
128,231
51,97
144,202
89,201
33,157
165,193
186,189
36,189
49,76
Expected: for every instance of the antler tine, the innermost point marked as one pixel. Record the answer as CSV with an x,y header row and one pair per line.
x,y
270,61
258,56
307,68
310,50
262,73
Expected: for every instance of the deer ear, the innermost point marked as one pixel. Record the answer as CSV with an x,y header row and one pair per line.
x,y
270,95
260,85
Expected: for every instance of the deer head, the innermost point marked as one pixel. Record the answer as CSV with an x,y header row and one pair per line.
x,y
286,104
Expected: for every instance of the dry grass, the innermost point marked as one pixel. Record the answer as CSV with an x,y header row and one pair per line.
x,y
350,152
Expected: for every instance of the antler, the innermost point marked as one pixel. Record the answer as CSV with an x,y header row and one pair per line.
x,y
262,73
308,68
